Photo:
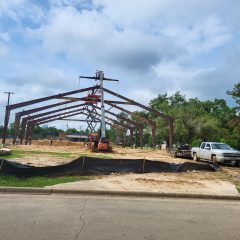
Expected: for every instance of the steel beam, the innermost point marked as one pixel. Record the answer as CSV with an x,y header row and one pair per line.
x,y
167,118
30,111
49,119
76,120
41,121
57,117
153,124
97,121
24,120
117,122
123,118
34,101
57,96
129,121
37,116
93,100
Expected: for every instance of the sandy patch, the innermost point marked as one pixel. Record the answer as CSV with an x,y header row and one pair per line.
x,y
157,182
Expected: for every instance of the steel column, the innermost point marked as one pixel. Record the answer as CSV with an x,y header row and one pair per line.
x,y
6,121
131,138
16,127
141,137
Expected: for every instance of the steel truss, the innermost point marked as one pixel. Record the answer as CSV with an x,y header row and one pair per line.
x,y
27,119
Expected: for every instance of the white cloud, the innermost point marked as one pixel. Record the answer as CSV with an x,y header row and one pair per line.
x,y
200,37
142,95
3,50
151,46
8,4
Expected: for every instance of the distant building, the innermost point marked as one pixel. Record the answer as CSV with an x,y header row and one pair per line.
x,y
76,137
62,136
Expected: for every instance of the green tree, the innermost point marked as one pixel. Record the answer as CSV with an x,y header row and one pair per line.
x,y
235,93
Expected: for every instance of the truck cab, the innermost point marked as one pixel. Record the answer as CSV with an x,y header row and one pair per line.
x,y
216,152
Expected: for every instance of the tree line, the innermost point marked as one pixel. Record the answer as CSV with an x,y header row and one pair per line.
x,y
195,120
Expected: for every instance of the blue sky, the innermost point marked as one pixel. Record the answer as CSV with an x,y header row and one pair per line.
x,y
152,46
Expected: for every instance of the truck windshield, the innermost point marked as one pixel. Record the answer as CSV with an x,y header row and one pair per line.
x,y
220,146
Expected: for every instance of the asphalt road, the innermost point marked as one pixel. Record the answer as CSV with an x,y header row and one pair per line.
x,y
29,217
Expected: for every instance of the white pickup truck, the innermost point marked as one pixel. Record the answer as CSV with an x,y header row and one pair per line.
x,y
216,152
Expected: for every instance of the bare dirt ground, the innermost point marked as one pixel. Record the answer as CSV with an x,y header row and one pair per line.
x,y
200,182
78,149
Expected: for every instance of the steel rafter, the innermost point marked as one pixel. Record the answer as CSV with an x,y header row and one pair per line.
x,y
153,124
25,119
50,117
11,107
167,118
88,102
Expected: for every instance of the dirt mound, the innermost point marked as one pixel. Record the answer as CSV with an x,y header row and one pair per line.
x,y
46,142
154,182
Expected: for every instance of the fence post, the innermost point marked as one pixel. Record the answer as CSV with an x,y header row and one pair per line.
x,y
83,163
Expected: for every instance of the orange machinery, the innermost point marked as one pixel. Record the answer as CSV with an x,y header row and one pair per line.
x,y
97,144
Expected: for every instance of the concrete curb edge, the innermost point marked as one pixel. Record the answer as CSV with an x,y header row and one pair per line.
x,y
49,191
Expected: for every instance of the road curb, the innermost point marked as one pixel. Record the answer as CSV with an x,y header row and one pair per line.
x,y
49,191
145,194
2,189
25,190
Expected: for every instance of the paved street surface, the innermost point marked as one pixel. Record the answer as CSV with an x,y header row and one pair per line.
x,y
29,217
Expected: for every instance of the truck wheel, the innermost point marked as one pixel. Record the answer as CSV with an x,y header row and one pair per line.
x,y
174,154
109,149
214,159
237,164
195,157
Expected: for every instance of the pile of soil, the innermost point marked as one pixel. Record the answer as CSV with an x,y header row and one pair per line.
x,y
46,142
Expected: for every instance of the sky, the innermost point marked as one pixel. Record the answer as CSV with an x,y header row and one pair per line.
x,y
151,46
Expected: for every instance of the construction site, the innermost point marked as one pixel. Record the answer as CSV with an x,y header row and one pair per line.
x,y
131,166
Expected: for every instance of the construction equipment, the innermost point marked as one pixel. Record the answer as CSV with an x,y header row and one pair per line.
x,y
95,145
95,142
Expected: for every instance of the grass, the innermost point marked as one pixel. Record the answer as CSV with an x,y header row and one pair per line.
x,y
98,156
238,188
12,181
17,153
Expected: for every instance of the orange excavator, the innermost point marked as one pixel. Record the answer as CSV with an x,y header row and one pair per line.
x,y
96,144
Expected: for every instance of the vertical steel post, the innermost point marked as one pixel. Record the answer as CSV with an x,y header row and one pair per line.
x,y
5,128
154,137
141,137
23,130
103,124
6,120
170,133
131,137
124,138
29,125
16,127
